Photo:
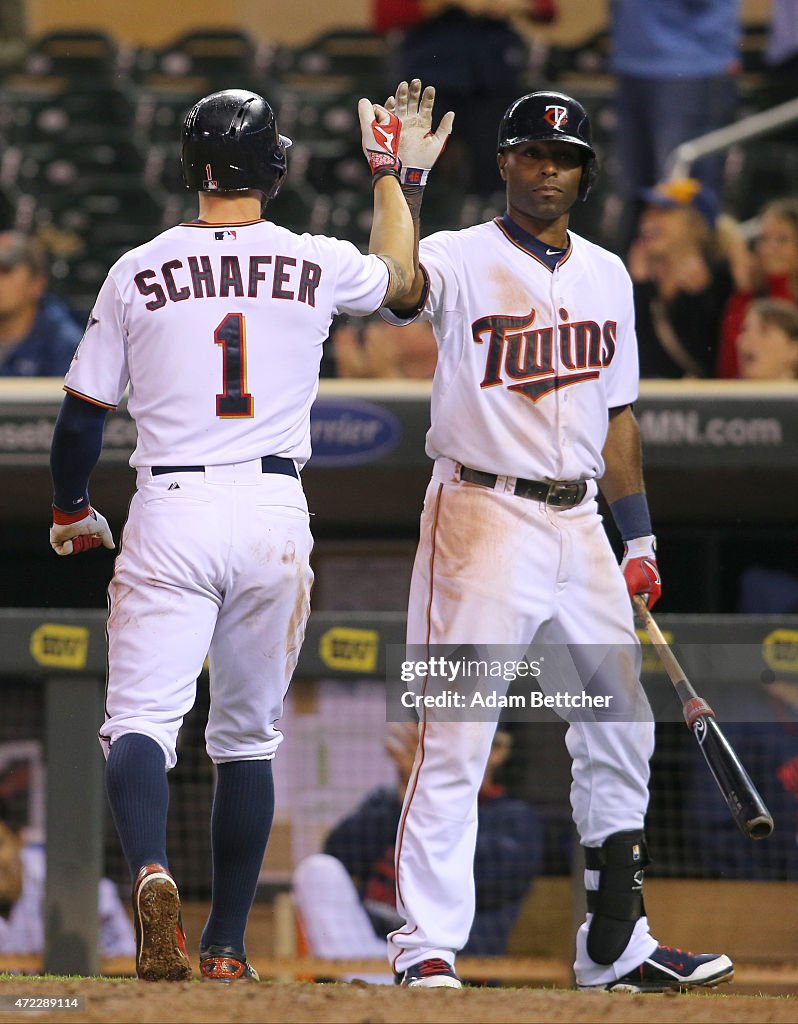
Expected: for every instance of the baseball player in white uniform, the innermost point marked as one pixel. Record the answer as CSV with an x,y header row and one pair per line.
x,y
215,327
531,413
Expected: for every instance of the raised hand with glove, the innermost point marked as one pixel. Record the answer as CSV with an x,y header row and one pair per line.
x,y
380,131
419,145
73,533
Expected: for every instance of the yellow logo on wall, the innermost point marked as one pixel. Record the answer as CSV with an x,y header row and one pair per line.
x,y
60,646
651,660
354,650
780,650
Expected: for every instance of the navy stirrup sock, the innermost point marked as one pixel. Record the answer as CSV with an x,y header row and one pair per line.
x,y
138,792
243,808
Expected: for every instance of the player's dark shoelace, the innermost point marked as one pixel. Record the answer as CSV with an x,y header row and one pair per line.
x,y
670,968
432,973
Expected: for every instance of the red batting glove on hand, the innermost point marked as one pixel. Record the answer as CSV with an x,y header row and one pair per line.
x,y
75,532
639,568
380,132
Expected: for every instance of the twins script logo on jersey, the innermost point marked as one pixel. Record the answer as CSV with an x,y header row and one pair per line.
x,y
557,116
527,357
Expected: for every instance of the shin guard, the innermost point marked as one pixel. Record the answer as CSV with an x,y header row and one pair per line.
x,y
618,902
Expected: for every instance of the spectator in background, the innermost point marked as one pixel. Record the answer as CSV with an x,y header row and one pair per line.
x,y
22,880
675,62
681,282
38,332
770,270
475,54
781,56
767,348
346,896
374,348
769,751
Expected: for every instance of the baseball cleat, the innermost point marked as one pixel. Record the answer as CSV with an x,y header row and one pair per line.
x,y
669,968
434,973
224,964
161,953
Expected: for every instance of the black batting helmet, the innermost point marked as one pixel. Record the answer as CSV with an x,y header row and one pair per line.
x,y
546,117
231,144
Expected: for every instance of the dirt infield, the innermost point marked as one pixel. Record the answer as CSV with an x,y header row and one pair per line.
x,y
126,1002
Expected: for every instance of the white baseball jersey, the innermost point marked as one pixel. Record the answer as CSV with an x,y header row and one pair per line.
x,y
529,359
534,348
208,324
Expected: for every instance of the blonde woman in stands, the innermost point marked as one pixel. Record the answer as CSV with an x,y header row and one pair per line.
x,y
768,270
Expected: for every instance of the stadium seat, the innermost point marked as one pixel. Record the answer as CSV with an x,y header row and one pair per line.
x,y
357,54
28,116
87,55
217,58
103,212
50,167
160,112
294,207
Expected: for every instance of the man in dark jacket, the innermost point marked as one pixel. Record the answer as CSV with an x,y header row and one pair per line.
x,y
38,332
346,896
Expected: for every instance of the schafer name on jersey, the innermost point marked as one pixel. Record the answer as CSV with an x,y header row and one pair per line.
x,y
528,356
200,277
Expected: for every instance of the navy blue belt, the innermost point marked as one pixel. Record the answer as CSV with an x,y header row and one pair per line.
x,y
268,464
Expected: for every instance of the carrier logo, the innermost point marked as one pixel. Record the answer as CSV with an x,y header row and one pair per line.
x,y
351,433
60,646
353,650
780,650
556,116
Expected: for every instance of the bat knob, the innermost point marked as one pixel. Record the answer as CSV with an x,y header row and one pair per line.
x,y
759,827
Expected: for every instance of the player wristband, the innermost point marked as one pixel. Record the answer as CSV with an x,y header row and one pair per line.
x,y
631,516
68,518
414,176
382,172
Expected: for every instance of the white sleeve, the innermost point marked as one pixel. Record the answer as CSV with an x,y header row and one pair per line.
x,y
439,261
623,373
362,282
99,370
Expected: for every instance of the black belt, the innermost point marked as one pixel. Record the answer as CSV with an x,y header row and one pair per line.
x,y
559,493
268,464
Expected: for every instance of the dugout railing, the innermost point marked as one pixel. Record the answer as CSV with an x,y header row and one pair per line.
x,y
63,652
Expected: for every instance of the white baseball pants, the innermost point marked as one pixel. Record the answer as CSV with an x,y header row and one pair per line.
x,y
492,568
212,563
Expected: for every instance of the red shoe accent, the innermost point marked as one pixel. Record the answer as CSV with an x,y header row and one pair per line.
x,y
222,968
434,966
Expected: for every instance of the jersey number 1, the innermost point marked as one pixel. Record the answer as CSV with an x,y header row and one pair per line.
x,y
235,400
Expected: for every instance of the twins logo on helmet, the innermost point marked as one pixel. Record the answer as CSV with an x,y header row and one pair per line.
x,y
556,116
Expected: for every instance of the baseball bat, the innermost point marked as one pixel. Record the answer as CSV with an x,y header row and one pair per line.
x,y
746,805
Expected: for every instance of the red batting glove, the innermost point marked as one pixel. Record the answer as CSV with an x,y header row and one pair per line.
x,y
75,532
639,568
380,132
